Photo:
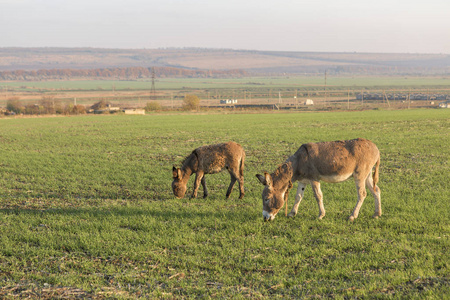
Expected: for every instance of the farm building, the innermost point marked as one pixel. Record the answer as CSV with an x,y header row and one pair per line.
x,y
134,111
445,104
228,101
103,107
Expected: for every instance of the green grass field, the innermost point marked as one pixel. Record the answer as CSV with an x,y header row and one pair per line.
x,y
86,210
251,83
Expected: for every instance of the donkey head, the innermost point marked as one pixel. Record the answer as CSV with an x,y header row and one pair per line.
x,y
273,199
178,185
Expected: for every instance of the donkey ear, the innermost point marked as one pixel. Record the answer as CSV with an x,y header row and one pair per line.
x,y
265,179
176,173
268,179
261,179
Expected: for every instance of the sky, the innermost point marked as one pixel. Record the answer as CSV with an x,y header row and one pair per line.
x,y
386,26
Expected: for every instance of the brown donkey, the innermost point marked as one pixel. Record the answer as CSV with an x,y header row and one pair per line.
x,y
210,160
328,161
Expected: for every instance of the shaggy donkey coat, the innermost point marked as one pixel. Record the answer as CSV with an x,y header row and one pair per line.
x,y
210,160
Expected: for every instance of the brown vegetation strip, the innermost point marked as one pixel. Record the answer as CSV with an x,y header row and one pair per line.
x,y
20,291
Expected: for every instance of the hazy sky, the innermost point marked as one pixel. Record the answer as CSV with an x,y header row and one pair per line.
x,y
407,26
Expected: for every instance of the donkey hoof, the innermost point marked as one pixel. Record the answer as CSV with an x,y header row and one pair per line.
x,y
351,218
291,215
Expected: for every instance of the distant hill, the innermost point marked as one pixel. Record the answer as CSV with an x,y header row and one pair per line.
x,y
124,73
249,62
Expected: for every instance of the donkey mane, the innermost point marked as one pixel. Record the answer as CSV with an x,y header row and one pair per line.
x,y
283,173
190,161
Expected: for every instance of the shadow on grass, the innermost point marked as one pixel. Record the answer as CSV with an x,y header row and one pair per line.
x,y
186,211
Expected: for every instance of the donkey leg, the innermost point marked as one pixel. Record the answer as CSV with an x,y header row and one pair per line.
x,y
361,189
198,179
232,182
319,197
376,192
241,187
205,190
236,175
298,199
240,179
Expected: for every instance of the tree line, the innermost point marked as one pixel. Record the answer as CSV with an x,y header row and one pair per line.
x,y
129,73
47,105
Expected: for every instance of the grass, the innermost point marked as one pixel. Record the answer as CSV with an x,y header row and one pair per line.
x,y
250,83
86,210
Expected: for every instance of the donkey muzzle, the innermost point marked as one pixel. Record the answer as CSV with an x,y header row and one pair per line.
x,y
267,216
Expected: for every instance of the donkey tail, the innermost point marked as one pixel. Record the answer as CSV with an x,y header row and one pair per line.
x,y
376,173
241,165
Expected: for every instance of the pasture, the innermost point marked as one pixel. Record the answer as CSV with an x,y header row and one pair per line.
x,y
250,83
86,210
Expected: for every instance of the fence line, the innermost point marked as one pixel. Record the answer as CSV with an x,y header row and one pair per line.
x,y
292,99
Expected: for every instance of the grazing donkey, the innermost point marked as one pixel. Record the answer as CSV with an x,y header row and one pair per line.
x,y
328,161
210,160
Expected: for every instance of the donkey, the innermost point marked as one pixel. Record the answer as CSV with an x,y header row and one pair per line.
x,y
328,161
210,160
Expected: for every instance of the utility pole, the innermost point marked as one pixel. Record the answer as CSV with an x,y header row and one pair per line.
x,y
362,98
348,99
409,98
153,89
325,87
387,99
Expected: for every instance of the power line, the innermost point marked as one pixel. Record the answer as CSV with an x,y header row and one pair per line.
x,y
153,89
